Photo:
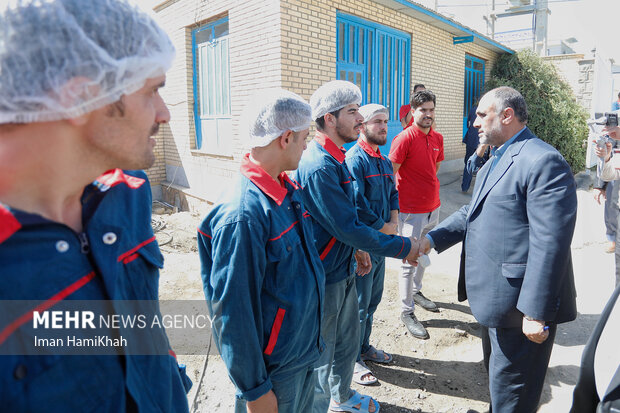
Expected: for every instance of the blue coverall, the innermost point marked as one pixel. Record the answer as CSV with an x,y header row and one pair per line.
x,y
116,257
264,285
375,198
329,196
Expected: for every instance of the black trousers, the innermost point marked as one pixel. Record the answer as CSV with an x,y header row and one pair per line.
x,y
516,367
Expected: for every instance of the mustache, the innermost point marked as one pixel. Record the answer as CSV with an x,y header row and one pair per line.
x,y
154,129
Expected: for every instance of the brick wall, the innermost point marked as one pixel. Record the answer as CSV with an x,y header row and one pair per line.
x,y
292,44
254,50
309,56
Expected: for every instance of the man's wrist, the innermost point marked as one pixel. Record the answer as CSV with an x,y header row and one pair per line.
x,y
430,240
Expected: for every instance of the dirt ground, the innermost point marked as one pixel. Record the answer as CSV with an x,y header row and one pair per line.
x,y
442,374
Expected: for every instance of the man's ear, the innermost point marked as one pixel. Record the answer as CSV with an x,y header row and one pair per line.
x,y
330,119
508,115
286,138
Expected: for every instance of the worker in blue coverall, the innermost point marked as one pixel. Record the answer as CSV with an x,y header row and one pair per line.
x,y
262,276
376,200
328,194
81,101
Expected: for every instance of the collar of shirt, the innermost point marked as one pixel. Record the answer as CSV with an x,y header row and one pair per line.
x,y
498,152
368,149
329,145
9,225
12,220
416,131
270,187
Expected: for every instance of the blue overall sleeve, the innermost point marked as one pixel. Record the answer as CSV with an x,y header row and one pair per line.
x,y
233,268
330,206
365,213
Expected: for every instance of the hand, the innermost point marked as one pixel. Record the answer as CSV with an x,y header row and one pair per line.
x,y
364,264
598,193
424,246
389,228
412,256
613,132
481,149
535,330
267,403
604,152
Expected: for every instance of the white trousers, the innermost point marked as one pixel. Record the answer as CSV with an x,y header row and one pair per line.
x,y
410,280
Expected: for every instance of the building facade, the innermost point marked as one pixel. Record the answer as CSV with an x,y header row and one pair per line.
x,y
228,49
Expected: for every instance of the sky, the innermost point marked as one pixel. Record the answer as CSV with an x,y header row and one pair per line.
x,y
594,23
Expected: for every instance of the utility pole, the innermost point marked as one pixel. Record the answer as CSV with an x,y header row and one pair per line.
x,y
490,19
540,11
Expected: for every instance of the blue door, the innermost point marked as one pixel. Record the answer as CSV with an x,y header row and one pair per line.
x,y
377,59
474,85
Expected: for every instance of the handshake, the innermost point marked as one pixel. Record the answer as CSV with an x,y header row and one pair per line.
x,y
418,248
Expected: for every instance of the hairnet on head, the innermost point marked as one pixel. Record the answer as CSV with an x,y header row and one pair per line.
x,y
370,110
333,96
272,112
63,58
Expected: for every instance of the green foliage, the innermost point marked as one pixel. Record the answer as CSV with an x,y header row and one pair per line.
x,y
554,114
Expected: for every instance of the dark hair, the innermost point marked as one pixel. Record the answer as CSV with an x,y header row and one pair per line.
x,y
507,97
417,86
421,97
619,94
320,122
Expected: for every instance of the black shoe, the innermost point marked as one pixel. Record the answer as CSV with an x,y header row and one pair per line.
x,y
424,302
414,326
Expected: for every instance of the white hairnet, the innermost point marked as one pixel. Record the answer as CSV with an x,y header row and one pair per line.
x,y
272,112
333,96
64,58
370,110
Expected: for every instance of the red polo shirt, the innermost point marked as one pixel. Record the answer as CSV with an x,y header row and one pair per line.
x,y
416,180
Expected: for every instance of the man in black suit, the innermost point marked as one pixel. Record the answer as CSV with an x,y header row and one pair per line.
x,y
516,265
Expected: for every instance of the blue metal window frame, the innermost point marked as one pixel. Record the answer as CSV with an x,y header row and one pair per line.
x,y
474,84
400,80
197,119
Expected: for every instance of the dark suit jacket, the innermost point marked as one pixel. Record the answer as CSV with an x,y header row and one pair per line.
x,y
516,235
585,396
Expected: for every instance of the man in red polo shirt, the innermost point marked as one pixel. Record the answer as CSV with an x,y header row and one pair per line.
x,y
416,154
